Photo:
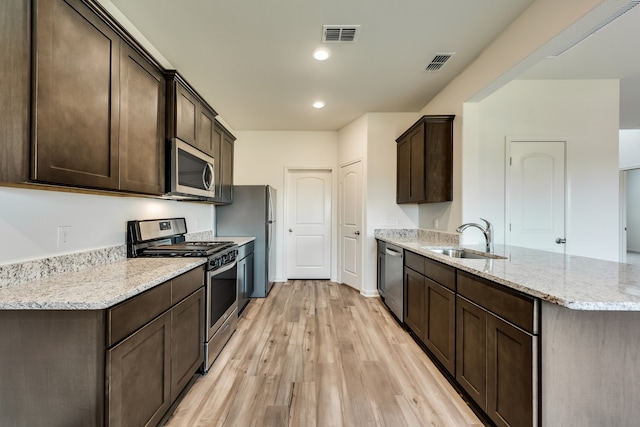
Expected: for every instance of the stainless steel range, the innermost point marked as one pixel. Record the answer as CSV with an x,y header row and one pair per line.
x,y
166,238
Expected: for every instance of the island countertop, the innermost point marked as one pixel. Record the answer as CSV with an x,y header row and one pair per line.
x,y
98,287
575,282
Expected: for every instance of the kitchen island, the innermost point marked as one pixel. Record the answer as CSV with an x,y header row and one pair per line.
x,y
98,339
588,346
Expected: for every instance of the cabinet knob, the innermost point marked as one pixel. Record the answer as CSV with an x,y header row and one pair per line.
x,y
561,241
291,230
357,233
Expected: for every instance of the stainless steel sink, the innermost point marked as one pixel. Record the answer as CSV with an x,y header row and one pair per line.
x,y
460,253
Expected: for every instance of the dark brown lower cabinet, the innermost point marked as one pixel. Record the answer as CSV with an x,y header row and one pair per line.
x,y
471,343
121,366
414,291
510,370
138,376
430,313
148,370
187,349
439,336
496,365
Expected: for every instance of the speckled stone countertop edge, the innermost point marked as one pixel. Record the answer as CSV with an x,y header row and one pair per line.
x,y
91,280
574,282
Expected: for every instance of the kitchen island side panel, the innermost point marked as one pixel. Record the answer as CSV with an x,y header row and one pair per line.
x,y
52,368
590,367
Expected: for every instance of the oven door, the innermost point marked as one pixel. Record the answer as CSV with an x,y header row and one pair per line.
x,y
222,296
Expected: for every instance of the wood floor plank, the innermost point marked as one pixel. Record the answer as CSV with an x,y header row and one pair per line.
x,y
317,353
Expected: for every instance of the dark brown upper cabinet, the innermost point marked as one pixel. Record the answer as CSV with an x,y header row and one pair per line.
x,y
77,90
425,161
92,113
142,124
189,117
223,148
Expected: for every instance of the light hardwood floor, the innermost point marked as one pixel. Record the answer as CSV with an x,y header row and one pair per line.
x,y
317,353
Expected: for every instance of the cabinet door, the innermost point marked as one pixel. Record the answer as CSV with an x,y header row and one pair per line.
x,y
414,298
142,115
417,173
187,342
403,172
138,376
76,113
205,135
510,373
440,317
471,350
186,115
250,278
438,166
226,164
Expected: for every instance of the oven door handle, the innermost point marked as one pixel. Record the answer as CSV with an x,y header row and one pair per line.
x,y
224,268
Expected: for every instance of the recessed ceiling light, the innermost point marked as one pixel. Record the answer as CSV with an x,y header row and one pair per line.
x,y
318,104
321,53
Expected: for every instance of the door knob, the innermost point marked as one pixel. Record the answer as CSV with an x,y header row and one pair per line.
x,y
560,240
357,233
291,230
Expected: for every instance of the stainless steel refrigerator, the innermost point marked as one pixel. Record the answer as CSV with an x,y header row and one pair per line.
x,y
253,213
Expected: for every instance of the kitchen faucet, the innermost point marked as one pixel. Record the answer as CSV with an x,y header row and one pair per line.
x,y
488,232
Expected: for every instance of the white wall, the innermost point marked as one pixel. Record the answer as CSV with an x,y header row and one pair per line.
x,y
537,32
29,220
629,153
262,158
585,114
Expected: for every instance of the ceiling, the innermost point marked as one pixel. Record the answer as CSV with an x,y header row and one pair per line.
x,y
610,53
251,60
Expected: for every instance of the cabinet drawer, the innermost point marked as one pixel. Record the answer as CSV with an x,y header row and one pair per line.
x,y
511,305
414,261
187,283
130,315
245,250
441,273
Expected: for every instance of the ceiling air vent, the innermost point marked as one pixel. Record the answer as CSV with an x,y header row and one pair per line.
x,y
438,61
340,33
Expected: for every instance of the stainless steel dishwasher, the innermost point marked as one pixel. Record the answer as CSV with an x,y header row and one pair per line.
x,y
393,275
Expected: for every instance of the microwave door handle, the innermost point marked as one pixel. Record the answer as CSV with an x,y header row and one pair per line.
x,y
207,183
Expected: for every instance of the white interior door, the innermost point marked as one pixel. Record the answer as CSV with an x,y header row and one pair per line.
x,y
536,194
351,225
308,224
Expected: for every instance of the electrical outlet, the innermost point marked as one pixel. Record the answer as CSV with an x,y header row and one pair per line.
x,y
64,236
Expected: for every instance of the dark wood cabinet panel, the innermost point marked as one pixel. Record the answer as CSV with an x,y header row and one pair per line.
x,y
440,308
187,349
517,308
76,113
15,81
471,350
142,115
425,161
510,370
414,302
139,372
226,174
223,155
189,117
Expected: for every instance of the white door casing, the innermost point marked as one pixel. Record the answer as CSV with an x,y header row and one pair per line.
x,y
308,227
351,224
536,194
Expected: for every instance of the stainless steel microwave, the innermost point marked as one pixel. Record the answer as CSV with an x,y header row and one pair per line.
x,y
190,172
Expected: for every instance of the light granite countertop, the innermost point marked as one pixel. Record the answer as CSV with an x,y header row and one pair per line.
x,y
91,280
574,282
